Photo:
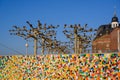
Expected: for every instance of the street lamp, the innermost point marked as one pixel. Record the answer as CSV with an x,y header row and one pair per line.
x,y
26,45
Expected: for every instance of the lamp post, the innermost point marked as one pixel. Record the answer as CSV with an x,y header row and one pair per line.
x,y
26,45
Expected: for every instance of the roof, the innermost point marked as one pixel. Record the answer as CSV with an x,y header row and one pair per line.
x,y
103,29
115,19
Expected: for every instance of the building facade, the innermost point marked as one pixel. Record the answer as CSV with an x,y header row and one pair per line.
x,y
108,37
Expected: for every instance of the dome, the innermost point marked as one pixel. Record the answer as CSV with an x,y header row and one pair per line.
x,y
115,19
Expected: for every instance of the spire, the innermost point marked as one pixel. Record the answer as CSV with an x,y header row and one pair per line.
x,y
115,22
115,11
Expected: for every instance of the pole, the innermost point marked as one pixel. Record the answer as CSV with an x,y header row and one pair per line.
x,y
26,48
118,41
79,45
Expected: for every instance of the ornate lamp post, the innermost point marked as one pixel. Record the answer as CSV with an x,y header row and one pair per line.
x,y
26,45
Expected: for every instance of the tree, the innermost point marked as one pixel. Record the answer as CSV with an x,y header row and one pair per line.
x,y
81,37
43,34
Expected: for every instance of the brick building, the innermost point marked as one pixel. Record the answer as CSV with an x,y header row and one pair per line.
x,y
108,37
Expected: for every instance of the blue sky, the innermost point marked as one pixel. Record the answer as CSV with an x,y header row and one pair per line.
x,y
17,12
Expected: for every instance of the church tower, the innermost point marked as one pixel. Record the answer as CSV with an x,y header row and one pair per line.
x,y
115,22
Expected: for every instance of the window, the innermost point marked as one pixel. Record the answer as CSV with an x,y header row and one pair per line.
x,y
113,25
116,25
107,45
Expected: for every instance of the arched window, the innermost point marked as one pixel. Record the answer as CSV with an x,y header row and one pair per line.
x,y
116,25
113,25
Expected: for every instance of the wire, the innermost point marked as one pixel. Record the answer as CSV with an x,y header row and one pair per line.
x,y
10,49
